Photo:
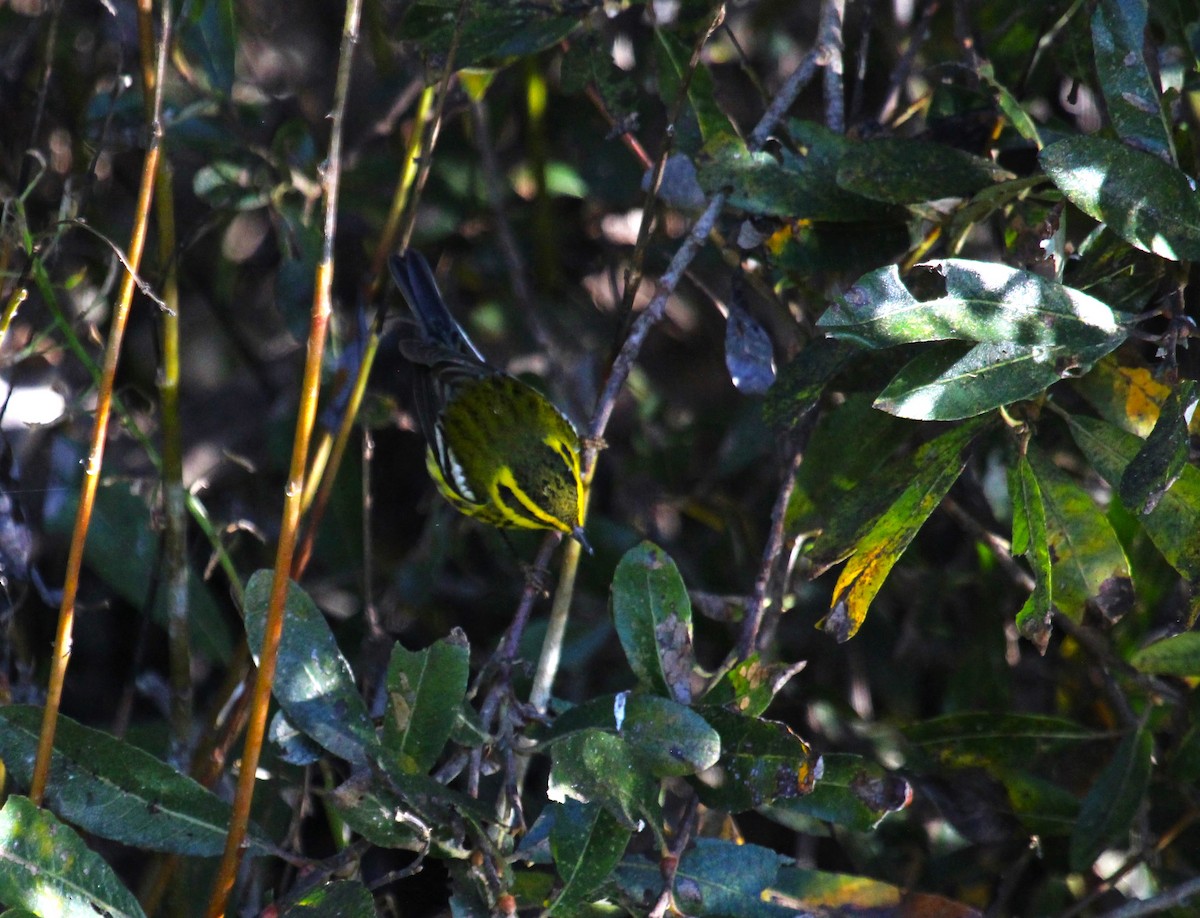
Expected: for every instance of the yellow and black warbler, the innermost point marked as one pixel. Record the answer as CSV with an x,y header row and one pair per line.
x,y
499,451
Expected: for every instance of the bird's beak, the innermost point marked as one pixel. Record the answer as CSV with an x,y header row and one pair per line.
x,y
578,535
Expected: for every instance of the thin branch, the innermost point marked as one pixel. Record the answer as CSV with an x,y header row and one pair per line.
x,y
748,640
293,494
829,38
1160,903
104,406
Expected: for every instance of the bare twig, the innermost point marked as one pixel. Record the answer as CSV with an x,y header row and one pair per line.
x,y
95,460
751,624
669,865
1160,903
293,495
918,34
829,39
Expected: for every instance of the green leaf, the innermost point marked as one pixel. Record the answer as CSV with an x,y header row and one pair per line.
x,y
123,548
950,381
114,790
587,842
1089,564
1130,89
901,171
938,465
762,762
1044,808
751,685
801,381
962,740
1147,202
653,618
1126,396
803,249
48,869
232,185
984,302
851,792
1173,524
714,878
666,737
1174,656
818,892
1114,272
490,36
788,185
339,899
848,479
1113,801
1016,115
313,682
378,813
1162,459
593,766
425,693
1030,539
212,36
701,92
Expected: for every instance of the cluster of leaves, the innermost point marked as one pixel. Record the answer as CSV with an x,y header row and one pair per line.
x,y
987,408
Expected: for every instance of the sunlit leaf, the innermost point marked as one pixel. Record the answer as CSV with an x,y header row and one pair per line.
x,y
379,814
1113,801
1016,115
313,682
665,737
1160,462
939,464
984,302
47,868
951,381
1147,202
1127,396
798,186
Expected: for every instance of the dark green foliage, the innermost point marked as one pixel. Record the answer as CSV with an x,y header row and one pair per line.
x,y
894,600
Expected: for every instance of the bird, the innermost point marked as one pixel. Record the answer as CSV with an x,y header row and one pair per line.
x,y
498,450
